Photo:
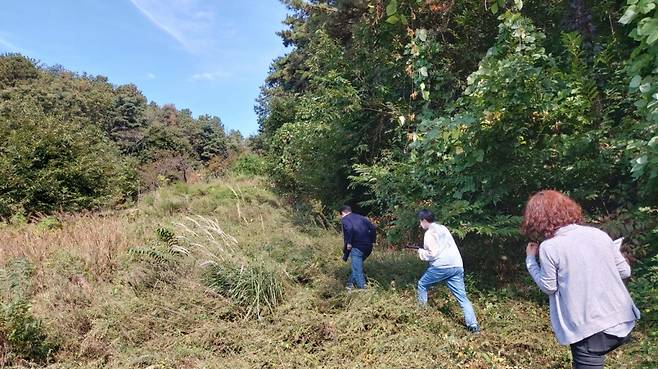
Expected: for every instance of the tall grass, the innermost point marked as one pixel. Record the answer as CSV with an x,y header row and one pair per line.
x,y
253,283
256,286
96,239
257,289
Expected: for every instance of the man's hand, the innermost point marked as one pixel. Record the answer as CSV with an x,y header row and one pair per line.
x,y
349,247
532,249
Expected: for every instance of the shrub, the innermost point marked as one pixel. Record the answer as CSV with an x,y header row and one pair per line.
x,y
249,165
49,163
165,167
645,291
218,165
23,335
49,222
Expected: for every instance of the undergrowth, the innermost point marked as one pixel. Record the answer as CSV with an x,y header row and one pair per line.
x,y
232,278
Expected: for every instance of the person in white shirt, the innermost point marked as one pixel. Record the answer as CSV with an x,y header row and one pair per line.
x,y
445,266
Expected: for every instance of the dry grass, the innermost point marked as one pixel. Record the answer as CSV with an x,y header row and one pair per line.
x,y
97,240
108,308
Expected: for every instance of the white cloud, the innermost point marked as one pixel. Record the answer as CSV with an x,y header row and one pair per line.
x,y
150,76
187,21
209,76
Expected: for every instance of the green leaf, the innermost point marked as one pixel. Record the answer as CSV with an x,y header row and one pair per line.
x,y
646,26
646,6
629,15
393,19
518,4
422,34
392,8
653,142
426,95
635,82
652,37
494,8
479,155
423,71
403,20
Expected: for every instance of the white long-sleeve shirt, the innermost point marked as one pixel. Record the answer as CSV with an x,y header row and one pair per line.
x,y
439,248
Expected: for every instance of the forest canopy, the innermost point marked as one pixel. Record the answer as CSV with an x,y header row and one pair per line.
x,y
465,107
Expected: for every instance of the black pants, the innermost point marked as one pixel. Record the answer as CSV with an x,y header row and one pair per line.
x,y
590,352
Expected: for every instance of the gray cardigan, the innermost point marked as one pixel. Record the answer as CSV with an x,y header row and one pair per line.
x,y
581,272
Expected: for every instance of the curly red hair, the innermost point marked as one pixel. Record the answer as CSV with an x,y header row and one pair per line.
x,y
547,211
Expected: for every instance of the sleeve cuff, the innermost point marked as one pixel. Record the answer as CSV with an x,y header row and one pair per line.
x,y
530,260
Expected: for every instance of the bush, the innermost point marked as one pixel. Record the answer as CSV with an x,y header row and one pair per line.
x,y
51,164
644,284
165,168
22,335
540,106
49,223
249,165
645,292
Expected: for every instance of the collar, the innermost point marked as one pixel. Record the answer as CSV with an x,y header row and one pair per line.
x,y
565,229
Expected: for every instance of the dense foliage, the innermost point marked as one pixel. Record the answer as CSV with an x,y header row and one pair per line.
x,y
464,107
74,141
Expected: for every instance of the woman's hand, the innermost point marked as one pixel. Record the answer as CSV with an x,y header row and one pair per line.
x,y
532,249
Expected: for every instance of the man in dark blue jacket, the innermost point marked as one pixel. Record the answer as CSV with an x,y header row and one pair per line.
x,y
358,234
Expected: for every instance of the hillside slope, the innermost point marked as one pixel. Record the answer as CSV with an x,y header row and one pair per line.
x,y
227,275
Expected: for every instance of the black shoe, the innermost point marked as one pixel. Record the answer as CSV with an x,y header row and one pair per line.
x,y
474,329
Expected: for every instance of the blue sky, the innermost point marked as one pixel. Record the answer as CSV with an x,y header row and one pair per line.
x,y
210,56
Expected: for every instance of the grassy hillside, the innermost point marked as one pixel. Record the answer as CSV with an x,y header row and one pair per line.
x,y
228,275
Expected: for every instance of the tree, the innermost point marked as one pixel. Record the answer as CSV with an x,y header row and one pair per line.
x,y
50,163
128,120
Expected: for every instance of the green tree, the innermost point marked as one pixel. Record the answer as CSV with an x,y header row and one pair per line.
x,y
49,163
127,121
643,17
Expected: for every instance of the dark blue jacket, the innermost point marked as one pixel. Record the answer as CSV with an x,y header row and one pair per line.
x,y
359,232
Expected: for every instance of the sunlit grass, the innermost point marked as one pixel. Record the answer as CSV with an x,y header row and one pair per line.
x,y
244,285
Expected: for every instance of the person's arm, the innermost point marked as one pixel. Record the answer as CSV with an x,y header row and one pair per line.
x,y
348,234
347,239
620,261
372,231
545,276
432,247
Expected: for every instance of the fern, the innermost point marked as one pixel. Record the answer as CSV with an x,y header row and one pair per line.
x,y
166,235
15,277
21,334
159,255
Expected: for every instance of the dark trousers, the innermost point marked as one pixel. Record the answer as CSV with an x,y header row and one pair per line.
x,y
590,352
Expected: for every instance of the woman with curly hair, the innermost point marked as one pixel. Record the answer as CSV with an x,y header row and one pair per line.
x,y
581,272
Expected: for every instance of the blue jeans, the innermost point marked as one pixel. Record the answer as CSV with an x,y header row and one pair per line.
x,y
454,279
357,277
